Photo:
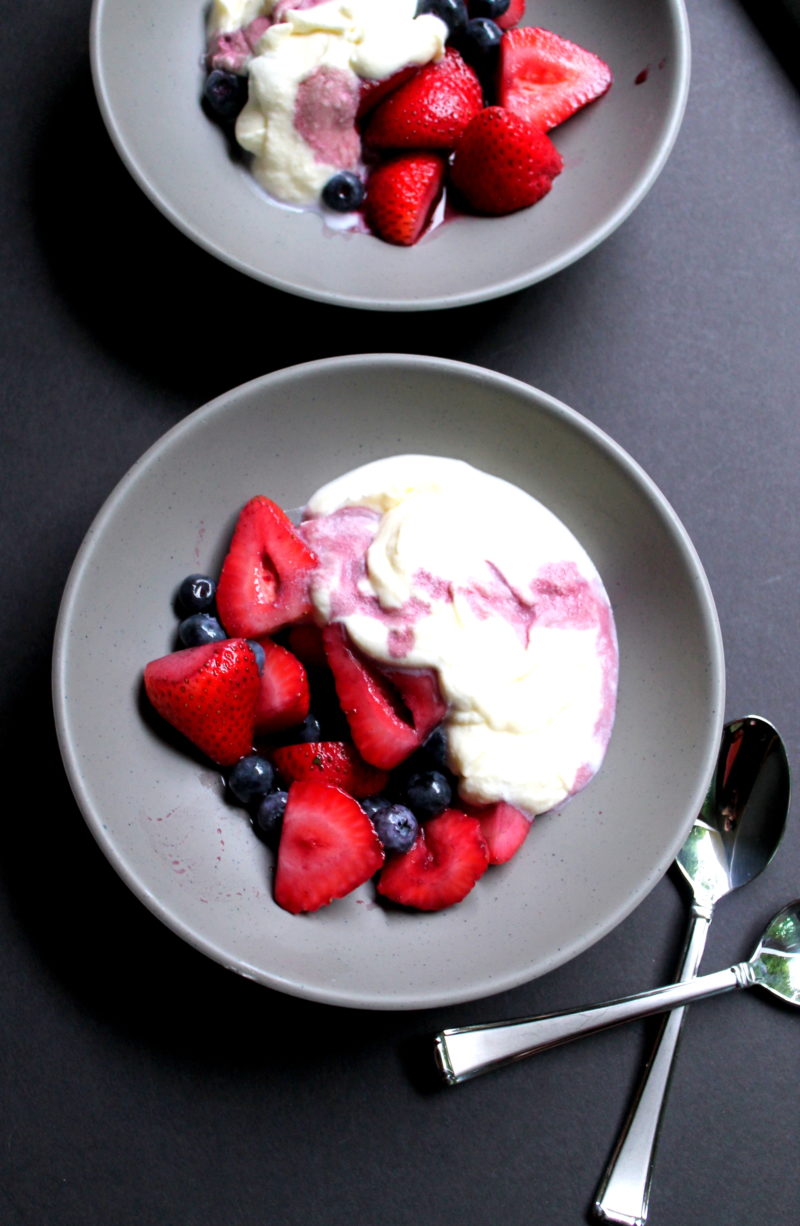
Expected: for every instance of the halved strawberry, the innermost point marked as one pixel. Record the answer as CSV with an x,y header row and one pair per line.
x,y
328,847
283,698
512,16
429,111
264,579
447,859
334,762
385,729
544,78
503,163
504,828
209,694
402,194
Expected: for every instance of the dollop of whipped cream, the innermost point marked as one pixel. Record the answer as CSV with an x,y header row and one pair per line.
x,y
304,69
431,563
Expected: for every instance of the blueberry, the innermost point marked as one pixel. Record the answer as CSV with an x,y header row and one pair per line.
x,y
309,732
428,793
200,628
196,593
479,44
488,8
371,804
396,827
435,748
431,755
250,779
258,652
344,192
224,93
452,12
268,817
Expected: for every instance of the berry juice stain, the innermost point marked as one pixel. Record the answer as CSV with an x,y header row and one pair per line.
x,y
641,77
198,546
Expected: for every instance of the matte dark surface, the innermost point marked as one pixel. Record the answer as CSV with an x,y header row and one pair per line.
x,y
144,1085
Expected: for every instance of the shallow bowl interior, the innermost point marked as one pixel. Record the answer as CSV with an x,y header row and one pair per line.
x,y
160,815
148,76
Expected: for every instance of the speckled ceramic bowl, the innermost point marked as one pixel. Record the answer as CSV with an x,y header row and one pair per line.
x,y
160,816
148,76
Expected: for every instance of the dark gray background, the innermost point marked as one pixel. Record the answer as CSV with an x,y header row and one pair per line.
x,y
145,1085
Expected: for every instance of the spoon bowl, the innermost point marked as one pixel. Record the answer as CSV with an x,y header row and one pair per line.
x,y
744,814
775,963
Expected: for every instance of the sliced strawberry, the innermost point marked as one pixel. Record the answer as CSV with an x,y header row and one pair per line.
x,y
209,694
512,16
419,690
503,163
544,78
264,579
284,697
381,723
328,847
447,859
504,828
429,111
401,196
334,762
373,91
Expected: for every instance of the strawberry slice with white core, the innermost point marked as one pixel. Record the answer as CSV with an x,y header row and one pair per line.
x,y
386,724
544,78
447,859
208,694
328,848
264,579
284,695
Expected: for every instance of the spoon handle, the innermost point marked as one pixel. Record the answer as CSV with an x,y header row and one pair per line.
x,y
466,1051
624,1192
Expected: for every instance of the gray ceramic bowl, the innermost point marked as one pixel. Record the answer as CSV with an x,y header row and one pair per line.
x,y
148,77
160,817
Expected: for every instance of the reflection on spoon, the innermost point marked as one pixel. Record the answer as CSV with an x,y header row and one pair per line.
x,y
774,965
732,841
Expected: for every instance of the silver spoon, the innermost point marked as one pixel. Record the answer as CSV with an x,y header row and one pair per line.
x,y
774,965
733,839
751,781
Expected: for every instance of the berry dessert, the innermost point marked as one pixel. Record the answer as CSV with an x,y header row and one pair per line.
x,y
397,685
376,112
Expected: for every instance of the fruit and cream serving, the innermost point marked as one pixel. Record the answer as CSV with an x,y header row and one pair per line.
x,y
379,110
397,685
429,563
305,74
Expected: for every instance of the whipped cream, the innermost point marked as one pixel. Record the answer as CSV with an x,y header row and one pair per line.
x,y
225,16
305,63
431,563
